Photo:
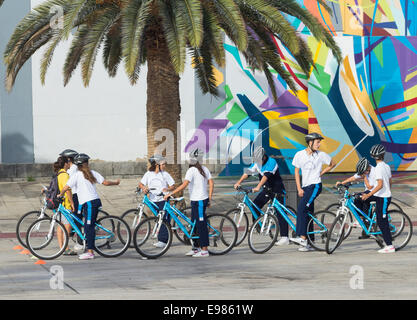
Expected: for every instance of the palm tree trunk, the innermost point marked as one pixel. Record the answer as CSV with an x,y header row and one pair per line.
x,y
163,107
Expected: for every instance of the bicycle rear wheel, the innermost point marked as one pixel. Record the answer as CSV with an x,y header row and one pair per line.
x,y
242,223
42,238
317,229
336,233
112,236
263,233
145,236
131,217
222,234
24,223
401,228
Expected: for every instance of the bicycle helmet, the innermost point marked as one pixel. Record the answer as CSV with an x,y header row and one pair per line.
x,y
313,136
157,159
81,158
69,153
377,151
196,156
362,166
258,155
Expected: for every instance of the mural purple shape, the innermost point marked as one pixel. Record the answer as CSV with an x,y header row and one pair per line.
x,y
206,134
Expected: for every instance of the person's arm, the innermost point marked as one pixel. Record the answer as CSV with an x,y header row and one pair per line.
x,y
111,183
178,189
211,189
260,184
242,178
69,197
378,187
330,167
143,187
367,184
297,182
351,179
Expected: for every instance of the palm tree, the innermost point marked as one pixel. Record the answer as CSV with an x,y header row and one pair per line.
x,y
160,33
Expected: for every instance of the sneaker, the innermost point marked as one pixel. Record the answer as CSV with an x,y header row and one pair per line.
x,y
86,256
192,252
70,252
306,248
300,241
387,249
160,244
201,254
283,241
78,247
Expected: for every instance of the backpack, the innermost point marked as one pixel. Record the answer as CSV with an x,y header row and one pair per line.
x,y
52,193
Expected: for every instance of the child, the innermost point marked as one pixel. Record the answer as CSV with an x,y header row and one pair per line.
x,y
160,180
381,194
196,178
84,180
310,161
267,169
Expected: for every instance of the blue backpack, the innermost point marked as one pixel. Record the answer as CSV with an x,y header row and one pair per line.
x,y
52,193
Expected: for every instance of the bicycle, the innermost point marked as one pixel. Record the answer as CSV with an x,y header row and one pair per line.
x,y
400,224
134,216
28,218
222,231
317,227
42,235
240,217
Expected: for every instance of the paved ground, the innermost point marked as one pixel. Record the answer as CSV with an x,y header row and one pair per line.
x,y
355,271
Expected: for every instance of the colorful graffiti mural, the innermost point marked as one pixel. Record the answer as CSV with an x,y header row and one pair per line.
x,y
369,98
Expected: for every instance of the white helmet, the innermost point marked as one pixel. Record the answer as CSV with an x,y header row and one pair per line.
x,y
196,156
258,155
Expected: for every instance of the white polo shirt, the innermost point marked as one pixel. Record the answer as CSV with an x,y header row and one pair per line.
x,y
71,171
158,181
198,187
86,190
310,165
370,177
383,172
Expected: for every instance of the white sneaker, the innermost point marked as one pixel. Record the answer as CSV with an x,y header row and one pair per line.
x,y
86,256
160,244
282,241
306,248
387,249
300,241
78,247
192,252
201,254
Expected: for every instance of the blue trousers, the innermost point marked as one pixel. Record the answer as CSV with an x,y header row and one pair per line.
x,y
163,232
260,202
198,215
382,217
305,207
90,211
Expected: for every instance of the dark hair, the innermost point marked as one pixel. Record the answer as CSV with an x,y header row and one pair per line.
x,y
88,175
199,168
59,164
152,166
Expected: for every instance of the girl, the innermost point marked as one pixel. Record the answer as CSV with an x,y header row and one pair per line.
x,y
197,178
159,181
60,168
310,161
84,180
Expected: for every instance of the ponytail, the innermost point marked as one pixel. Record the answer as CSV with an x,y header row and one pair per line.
x,y
199,168
88,175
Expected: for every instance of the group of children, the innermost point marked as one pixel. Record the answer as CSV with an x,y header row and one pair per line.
x,y
77,184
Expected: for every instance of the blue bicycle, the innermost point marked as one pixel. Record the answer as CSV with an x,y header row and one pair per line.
x,y
222,231
47,237
240,215
400,224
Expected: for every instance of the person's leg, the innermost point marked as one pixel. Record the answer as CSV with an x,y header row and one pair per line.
x,y
202,228
90,220
260,201
382,218
283,224
194,218
163,232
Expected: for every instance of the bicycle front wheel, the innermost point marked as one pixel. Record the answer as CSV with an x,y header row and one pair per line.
x,y
222,234
336,233
24,223
112,236
317,229
242,223
145,237
263,233
47,239
132,217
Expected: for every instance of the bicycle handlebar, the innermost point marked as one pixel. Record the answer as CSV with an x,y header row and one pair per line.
x,y
245,190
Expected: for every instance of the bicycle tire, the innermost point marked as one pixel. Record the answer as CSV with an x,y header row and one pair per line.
x,y
112,227
325,218
36,246
242,225
149,227
405,227
20,226
268,238
130,217
221,227
334,239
